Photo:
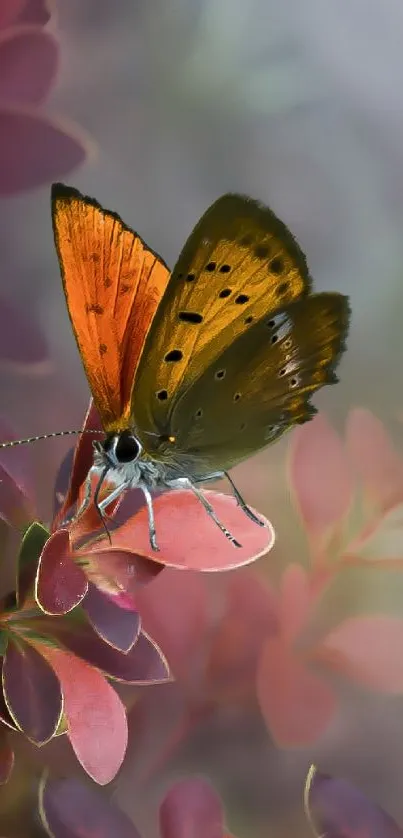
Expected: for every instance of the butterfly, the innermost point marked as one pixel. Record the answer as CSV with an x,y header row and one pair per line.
x,y
195,370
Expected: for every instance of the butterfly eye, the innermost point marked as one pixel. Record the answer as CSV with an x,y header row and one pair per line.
x,y
126,447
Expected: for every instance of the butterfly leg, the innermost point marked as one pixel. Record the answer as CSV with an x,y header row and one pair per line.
x,y
241,503
84,504
218,475
186,483
151,519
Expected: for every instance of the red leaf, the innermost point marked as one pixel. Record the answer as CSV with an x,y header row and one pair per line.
x,y
82,462
69,809
29,59
32,544
297,704
118,626
374,457
189,538
368,650
60,583
320,477
6,757
191,809
32,692
36,150
95,715
337,809
10,11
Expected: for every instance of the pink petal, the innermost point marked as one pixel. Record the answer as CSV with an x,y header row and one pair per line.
x,y
320,477
189,538
60,583
295,600
297,705
191,809
367,650
374,457
96,717
36,150
29,58
10,11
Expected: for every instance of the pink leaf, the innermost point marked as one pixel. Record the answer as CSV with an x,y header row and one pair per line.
x,y
95,715
6,757
36,150
60,583
297,704
69,809
295,600
32,692
191,809
374,457
117,626
173,609
368,650
320,476
189,538
28,65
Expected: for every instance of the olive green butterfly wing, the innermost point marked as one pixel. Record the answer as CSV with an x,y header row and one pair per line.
x,y
260,386
240,264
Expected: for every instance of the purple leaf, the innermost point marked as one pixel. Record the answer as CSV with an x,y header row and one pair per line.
x,y
70,809
118,626
6,757
35,11
31,548
22,344
60,583
143,664
191,809
336,809
36,150
29,59
32,692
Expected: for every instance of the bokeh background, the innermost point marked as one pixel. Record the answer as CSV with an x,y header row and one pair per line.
x,y
174,102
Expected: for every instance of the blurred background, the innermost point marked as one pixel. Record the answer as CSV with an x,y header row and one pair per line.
x,y
174,102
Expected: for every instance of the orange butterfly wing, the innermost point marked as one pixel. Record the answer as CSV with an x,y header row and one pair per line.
x,y
113,283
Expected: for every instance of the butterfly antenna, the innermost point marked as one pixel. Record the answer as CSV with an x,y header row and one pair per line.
x,y
29,439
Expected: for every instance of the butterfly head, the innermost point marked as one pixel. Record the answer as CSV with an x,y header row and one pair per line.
x,y
119,449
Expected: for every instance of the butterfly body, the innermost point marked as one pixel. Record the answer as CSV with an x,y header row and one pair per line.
x,y
196,370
